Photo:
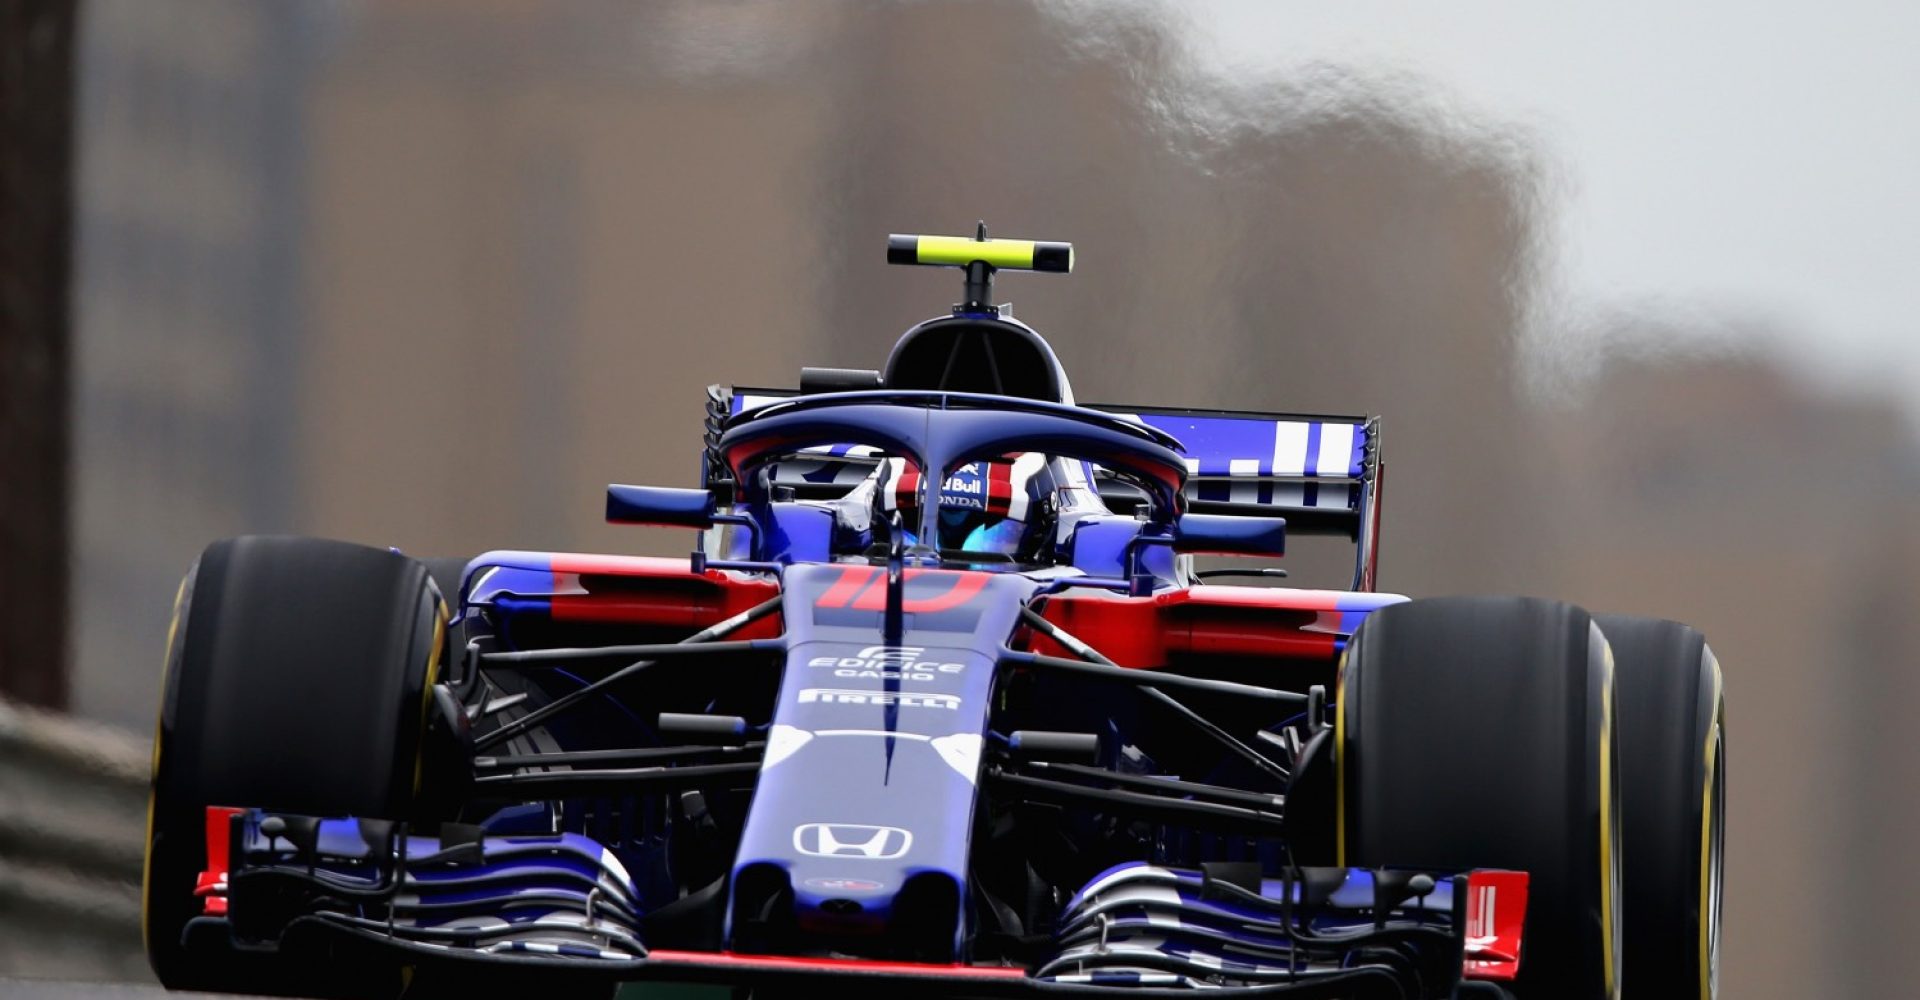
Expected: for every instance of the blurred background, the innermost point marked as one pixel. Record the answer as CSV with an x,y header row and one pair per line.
x,y
1635,290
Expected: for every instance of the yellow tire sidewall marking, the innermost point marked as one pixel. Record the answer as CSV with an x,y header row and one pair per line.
x,y
153,773
1340,762
1608,864
1707,910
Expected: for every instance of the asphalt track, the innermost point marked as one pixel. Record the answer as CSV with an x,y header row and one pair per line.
x,y
48,989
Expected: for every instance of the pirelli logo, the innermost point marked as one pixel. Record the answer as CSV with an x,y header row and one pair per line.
x,y
903,699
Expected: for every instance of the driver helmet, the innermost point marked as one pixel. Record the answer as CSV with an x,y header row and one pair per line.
x,y
1000,507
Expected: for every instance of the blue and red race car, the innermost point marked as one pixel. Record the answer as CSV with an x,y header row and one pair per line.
x,y
954,695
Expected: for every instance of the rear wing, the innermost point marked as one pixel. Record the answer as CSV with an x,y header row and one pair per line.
x,y
1322,473
1314,470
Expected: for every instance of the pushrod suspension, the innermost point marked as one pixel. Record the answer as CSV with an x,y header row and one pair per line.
x,y
1079,648
703,641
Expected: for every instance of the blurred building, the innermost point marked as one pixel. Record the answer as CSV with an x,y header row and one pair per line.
x,y
188,311
1267,245
1785,524
539,231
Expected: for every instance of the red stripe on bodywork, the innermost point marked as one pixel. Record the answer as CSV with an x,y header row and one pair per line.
x,y
784,963
651,590
1204,620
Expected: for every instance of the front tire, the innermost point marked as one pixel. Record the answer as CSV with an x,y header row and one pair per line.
x,y
296,680
1478,733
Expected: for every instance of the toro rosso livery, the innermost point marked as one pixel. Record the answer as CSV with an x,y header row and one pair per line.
x,y
967,689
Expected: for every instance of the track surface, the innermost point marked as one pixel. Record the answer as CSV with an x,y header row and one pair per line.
x,y
47,989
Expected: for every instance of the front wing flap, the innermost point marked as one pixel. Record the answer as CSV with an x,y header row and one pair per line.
x,y
562,901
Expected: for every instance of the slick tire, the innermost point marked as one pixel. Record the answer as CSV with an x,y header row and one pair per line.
x,y
1477,732
1671,726
297,673
448,574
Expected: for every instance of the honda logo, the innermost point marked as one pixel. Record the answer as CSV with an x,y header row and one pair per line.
x,y
851,840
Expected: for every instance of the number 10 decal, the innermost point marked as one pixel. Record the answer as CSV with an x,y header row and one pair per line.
x,y
864,588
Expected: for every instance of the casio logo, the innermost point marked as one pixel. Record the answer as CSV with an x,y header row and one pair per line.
x,y
851,840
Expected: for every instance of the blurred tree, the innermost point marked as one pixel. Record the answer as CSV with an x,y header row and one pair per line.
x,y
36,199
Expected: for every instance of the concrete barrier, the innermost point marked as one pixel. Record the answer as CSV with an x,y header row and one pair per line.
x,y
73,800
73,816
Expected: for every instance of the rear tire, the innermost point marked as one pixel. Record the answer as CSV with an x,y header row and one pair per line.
x,y
1673,794
296,680
448,574
1477,733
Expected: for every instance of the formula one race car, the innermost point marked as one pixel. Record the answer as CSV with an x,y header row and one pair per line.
x,y
941,702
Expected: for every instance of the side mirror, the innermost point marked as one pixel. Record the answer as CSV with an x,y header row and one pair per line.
x,y
1227,535
659,505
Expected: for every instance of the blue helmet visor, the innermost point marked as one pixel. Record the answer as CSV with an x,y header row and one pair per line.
x,y
975,531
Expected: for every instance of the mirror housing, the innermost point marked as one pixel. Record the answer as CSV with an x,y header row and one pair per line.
x,y
815,380
660,505
1227,535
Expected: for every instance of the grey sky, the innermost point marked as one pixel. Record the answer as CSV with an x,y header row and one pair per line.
x,y
1752,164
